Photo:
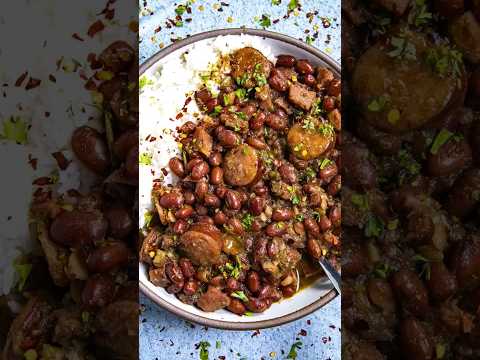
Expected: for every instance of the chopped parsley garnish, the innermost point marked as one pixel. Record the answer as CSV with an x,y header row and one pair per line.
x,y
408,163
241,93
180,9
442,138
248,313
203,346
218,344
309,40
241,115
145,159
445,61
308,124
419,15
374,227
440,351
276,2
216,110
15,129
423,265
377,104
241,80
148,218
360,201
179,23
144,81
23,271
299,217
230,270
295,199
326,129
393,116
383,270
310,173
316,215
226,100
293,4
402,48
292,354
317,108
240,295
324,163
265,21
392,224
247,221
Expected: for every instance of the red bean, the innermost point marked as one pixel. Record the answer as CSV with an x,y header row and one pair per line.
x,y
190,287
324,223
177,167
257,121
277,81
221,191
192,163
172,200
313,248
201,188
233,200
328,103
288,173
257,204
215,159
98,291
283,214
228,138
120,221
237,307
211,200
216,175
199,170
109,257
90,147
189,198
328,172
272,248
205,219
187,268
335,215
253,281
211,104
335,185
334,88
184,212
257,143
180,226
232,284
235,225
312,227
303,66
309,80
257,305
289,291
220,218
276,229
285,61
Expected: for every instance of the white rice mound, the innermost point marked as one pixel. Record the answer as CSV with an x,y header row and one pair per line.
x,y
170,82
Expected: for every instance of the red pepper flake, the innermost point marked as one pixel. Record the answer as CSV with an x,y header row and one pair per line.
x,y
179,116
152,139
20,79
52,78
42,196
32,83
309,322
61,160
256,333
275,21
187,101
47,114
158,29
95,28
164,171
332,327
109,14
42,181
303,332
32,161
77,37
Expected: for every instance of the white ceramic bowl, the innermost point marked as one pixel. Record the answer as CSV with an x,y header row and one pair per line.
x,y
307,300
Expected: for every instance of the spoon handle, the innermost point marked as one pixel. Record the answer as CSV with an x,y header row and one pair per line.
x,y
332,275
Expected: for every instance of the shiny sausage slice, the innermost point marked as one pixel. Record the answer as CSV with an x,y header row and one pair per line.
x,y
465,33
202,244
309,144
247,65
240,165
402,95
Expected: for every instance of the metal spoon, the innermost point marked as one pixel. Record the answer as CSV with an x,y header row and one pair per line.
x,y
332,274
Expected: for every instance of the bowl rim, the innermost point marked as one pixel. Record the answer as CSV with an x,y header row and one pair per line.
x,y
202,320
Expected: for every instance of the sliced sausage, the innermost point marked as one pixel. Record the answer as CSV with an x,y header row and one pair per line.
x,y
213,300
247,62
240,165
300,96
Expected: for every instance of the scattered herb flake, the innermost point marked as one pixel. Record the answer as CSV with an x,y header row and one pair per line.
x,y
442,137
240,295
15,129
203,346
23,271
145,159
265,21
293,350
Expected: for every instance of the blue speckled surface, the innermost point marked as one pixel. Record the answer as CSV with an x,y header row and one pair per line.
x,y
165,336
